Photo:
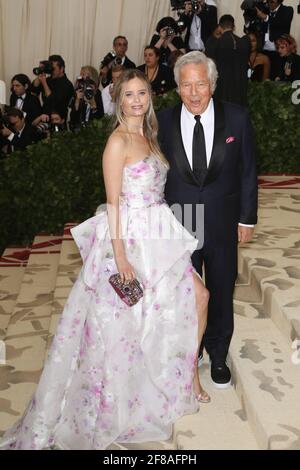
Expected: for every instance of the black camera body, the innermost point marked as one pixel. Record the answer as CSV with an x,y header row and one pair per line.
x,y
44,128
109,58
55,128
170,31
46,68
87,86
195,6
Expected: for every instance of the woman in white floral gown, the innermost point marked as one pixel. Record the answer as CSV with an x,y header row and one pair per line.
x,y
117,373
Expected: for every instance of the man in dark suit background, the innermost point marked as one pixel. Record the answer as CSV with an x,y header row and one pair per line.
x,y
120,47
231,55
210,148
20,134
199,24
23,99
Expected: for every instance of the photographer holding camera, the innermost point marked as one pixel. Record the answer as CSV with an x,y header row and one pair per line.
x,y
116,57
16,133
168,39
56,89
87,104
200,18
48,124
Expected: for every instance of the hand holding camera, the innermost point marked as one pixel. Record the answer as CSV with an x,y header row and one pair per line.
x,y
260,14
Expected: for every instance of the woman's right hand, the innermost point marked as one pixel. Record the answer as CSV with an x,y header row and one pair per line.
x,y
125,270
163,33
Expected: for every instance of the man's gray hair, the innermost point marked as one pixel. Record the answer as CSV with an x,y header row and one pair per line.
x,y
196,57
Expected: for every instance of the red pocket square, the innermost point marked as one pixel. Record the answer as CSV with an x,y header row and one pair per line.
x,y
230,139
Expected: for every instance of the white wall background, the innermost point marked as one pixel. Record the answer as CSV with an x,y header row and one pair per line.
x,y
82,30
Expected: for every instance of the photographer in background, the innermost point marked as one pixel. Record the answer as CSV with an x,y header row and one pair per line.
x,y
87,104
48,124
107,92
160,76
16,133
200,19
56,89
168,39
116,57
22,98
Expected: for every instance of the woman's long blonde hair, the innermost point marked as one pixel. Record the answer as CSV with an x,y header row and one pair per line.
x,y
150,124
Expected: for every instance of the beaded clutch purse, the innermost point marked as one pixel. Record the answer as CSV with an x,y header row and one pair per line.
x,y
130,293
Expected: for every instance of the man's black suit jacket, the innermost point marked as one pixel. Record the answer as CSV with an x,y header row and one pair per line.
x,y
229,194
280,23
31,106
231,54
28,137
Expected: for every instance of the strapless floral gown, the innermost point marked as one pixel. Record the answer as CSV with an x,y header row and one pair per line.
x,y
116,373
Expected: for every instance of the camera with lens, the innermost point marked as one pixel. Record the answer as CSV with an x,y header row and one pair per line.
x,y
87,86
195,6
43,128
110,58
45,67
54,128
170,31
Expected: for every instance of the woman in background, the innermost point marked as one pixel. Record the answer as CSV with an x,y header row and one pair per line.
x,y
159,75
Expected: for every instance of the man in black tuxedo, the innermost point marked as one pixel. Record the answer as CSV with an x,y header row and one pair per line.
x,y
210,148
199,24
23,99
120,47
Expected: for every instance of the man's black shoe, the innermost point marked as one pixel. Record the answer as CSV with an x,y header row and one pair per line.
x,y
220,375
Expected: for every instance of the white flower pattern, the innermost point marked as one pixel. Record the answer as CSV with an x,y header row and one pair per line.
x,y
115,373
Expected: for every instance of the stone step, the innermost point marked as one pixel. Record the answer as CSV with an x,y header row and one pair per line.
x,y
266,376
269,266
208,429
218,425
68,268
27,331
12,267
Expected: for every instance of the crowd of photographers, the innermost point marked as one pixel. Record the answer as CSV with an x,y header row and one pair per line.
x,y
51,103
